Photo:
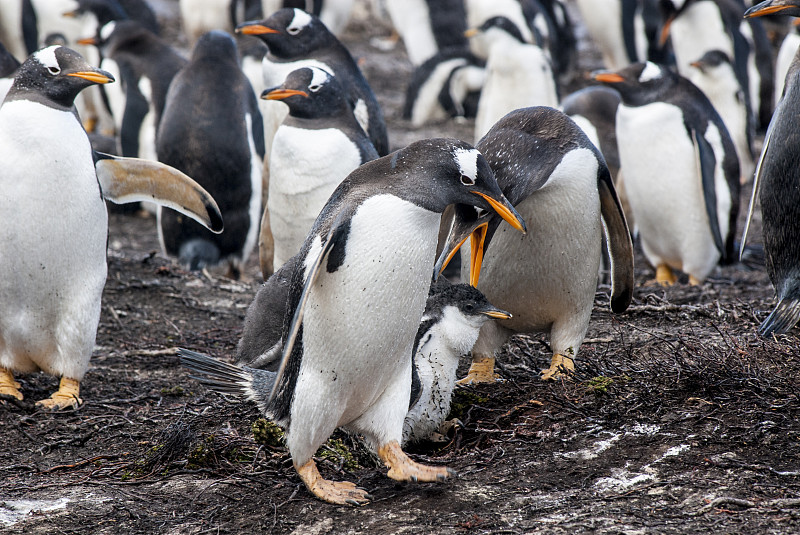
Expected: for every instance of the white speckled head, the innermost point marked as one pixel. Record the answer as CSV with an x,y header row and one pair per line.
x,y
651,71
467,160
107,30
301,20
47,57
318,78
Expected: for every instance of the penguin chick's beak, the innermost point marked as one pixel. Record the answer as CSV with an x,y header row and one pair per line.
x,y
608,77
506,211
472,32
699,65
497,314
771,7
97,77
280,94
87,41
254,28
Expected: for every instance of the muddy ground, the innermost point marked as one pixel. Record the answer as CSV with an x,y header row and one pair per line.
x,y
679,420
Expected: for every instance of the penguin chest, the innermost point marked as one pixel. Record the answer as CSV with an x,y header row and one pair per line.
x,y
696,31
305,167
664,186
361,319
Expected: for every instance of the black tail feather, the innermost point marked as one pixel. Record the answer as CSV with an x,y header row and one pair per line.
x,y
784,316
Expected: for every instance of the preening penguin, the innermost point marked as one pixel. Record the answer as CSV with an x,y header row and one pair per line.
x,y
681,171
559,182
296,39
54,270
211,129
518,74
356,299
319,143
777,184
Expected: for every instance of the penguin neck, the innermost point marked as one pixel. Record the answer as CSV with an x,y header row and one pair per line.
x,y
28,89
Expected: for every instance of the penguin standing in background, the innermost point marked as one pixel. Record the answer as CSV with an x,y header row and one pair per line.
x,y
777,184
334,14
211,129
296,39
559,182
428,26
681,171
201,16
145,65
713,74
55,269
369,258
319,143
518,74
447,85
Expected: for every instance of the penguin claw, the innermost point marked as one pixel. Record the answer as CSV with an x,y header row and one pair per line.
x,y
402,468
336,492
480,371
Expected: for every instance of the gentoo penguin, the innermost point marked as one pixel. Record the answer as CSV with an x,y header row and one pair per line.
x,y
479,11
681,171
454,315
55,270
319,143
296,39
145,65
334,14
8,67
428,26
104,11
559,182
713,74
518,74
447,85
211,129
368,260
776,183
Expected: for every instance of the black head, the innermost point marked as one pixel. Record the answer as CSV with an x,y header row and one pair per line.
x,y
290,33
501,23
103,10
640,83
310,93
467,299
711,60
774,7
217,46
118,35
54,76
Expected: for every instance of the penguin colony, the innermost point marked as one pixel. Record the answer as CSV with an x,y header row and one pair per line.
x,y
298,160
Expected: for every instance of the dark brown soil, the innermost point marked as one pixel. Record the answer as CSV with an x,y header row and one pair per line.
x,y
679,420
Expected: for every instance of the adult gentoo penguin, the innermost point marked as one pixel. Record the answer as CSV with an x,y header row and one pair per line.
x,y
369,259
777,183
296,39
559,182
211,129
319,143
55,269
681,171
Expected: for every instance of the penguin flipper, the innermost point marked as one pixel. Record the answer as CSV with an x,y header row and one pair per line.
x,y
783,317
618,240
124,180
336,234
757,181
707,163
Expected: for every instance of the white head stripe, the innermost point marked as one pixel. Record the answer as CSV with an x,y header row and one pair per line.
x,y
301,19
107,30
318,76
47,56
467,160
651,72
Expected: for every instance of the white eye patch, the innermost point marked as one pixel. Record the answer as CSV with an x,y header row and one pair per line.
x,y
318,77
301,20
651,72
47,57
107,30
467,161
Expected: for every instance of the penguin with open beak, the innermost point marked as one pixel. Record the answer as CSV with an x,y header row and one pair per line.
x,y
55,225
557,179
355,303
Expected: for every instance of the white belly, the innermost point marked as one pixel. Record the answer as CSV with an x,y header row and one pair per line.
x,y
665,189
53,241
305,167
698,30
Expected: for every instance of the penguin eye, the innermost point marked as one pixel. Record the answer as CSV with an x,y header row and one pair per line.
x,y
53,70
314,88
292,30
467,181
469,307
481,212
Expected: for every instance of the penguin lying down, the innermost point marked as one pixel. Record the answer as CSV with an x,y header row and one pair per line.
x,y
54,271
355,299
